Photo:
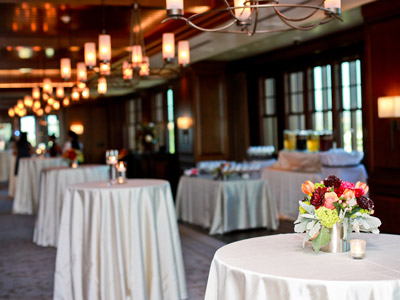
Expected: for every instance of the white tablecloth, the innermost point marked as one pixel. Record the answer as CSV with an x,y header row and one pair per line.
x,y
286,189
225,206
5,160
277,267
119,242
28,183
54,181
12,179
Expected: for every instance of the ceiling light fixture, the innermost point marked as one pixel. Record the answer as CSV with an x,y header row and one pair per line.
x,y
246,14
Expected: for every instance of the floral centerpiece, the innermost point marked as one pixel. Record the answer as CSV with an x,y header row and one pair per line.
x,y
334,202
73,155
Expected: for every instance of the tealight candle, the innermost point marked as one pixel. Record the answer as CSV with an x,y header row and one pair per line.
x,y
357,249
121,169
112,160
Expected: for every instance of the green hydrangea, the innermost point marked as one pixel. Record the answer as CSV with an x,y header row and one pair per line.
x,y
301,209
328,217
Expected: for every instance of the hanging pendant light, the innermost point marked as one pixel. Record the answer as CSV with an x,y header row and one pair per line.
x,y
105,69
60,92
105,47
40,112
47,87
36,93
243,14
81,74
47,109
81,86
102,86
168,47
75,94
66,102
136,56
65,66
11,112
85,93
56,105
145,67
28,101
36,104
183,53
127,73
50,101
20,104
90,55
174,8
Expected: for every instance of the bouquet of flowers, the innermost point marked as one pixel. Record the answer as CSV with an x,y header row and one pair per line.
x,y
334,201
72,155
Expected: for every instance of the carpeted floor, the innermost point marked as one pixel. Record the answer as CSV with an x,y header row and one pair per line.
x,y
27,270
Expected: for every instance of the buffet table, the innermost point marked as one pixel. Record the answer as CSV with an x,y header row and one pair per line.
x,y
277,267
5,160
292,169
225,206
119,242
54,181
28,183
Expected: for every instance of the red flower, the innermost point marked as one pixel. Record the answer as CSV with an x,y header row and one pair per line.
x,y
358,192
318,197
339,191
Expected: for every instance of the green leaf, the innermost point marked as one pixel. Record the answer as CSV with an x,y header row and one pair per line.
x,y
322,239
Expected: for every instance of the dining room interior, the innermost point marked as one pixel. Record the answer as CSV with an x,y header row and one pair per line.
x,y
170,149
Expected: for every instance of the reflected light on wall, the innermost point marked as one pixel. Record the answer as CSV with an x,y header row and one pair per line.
x,y
184,123
77,128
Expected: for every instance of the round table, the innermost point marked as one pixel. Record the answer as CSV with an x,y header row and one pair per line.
x,y
28,183
119,242
277,267
54,181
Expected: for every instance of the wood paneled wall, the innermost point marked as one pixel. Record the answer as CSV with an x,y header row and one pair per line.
x,y
382,48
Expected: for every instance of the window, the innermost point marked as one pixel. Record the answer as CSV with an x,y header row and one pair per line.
x,y
171,128
28,125
294,99
351,114
53,126
135,121
5,134
269,117
158,117
322,98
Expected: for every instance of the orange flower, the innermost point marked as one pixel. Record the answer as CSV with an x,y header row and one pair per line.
x,y
307,187
363,186
348,194
330,197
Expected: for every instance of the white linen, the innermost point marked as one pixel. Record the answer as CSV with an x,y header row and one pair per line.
x,y
350,174
28,183
286,191
298,161
12,179
225,206
54,181
339,157
119,242
5,160
277,267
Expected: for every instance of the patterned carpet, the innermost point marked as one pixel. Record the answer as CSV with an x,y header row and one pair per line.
x,y
26,270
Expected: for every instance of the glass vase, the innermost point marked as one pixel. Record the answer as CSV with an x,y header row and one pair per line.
x,y
337,244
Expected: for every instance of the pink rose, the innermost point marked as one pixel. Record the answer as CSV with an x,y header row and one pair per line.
x,y
363,186
348,194
329,199
347,185
307,187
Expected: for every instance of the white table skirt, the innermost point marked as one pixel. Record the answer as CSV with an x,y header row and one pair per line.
x,y
225,206
54,181
5,160
12,179
28,183
286,189
351,174
277,267
119,242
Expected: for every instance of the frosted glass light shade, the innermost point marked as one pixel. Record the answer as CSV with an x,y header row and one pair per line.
x,y
105,47
102,86
389,107
47,86
65,68
36,93
242,14
81,74
136,56
90,55
168,46
183,53
145,67
60,92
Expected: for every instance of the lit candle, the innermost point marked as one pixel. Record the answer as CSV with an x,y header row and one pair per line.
x,y
112,160
357,249
121,167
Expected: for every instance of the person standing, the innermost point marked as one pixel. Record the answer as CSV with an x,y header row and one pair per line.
x,y
55,149
22,149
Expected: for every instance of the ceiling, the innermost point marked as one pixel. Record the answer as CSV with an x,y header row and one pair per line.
x,y
35,35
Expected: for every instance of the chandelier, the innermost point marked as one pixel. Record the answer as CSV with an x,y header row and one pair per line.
x,y
248,14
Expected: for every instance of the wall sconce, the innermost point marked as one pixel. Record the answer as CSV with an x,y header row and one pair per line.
x,y
389,107
77,128
184,123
